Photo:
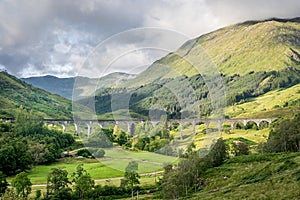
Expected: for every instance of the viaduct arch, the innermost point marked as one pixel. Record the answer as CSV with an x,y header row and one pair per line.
x,y
132,123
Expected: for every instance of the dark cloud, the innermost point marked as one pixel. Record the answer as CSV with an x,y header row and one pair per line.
x,y
55,37
39,32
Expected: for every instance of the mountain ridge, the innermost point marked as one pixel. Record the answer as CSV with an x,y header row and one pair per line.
x,y
64,86
235,49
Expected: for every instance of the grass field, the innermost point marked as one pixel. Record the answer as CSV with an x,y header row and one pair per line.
x,y
112,165
144,180
101,172
118,158
117,153
256,136
38,174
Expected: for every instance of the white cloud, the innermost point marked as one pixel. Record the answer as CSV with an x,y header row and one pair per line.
x,y
131,51
189,17
2,68
36,36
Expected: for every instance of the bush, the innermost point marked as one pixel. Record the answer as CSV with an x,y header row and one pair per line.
x,y
218,154
84,153
99,153
92,150
241,139
240,148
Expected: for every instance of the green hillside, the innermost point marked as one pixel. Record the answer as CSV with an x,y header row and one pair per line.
x,y
260,176
253,59
269,45
15,93
279,102
257,94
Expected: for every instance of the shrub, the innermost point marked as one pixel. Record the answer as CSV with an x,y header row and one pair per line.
x,y
83,152
240,148
218,154
99,153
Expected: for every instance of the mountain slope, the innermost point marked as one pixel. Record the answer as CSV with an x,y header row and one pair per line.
x,y
253,58
15,93
258,176
238,49
258,94
64,86
279,102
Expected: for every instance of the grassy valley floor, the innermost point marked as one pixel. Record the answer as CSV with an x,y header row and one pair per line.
x,y
109,167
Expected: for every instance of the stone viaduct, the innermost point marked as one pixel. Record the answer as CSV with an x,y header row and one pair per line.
x,y
131,123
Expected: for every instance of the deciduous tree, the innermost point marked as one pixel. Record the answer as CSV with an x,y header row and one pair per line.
x,y
57,182
22,184
83,182
284,136
131,176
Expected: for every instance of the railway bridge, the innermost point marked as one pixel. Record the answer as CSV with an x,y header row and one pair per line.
x,y
132,123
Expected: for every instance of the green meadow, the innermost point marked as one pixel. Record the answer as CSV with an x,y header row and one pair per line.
x,y
38,174
111,166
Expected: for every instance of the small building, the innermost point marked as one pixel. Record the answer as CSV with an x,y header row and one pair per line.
x,y
64,154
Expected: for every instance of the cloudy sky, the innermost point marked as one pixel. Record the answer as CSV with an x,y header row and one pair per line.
x,y
58,37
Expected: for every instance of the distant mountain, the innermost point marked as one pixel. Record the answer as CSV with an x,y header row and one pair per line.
x,y
254,59
64,86
15,93
60,86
